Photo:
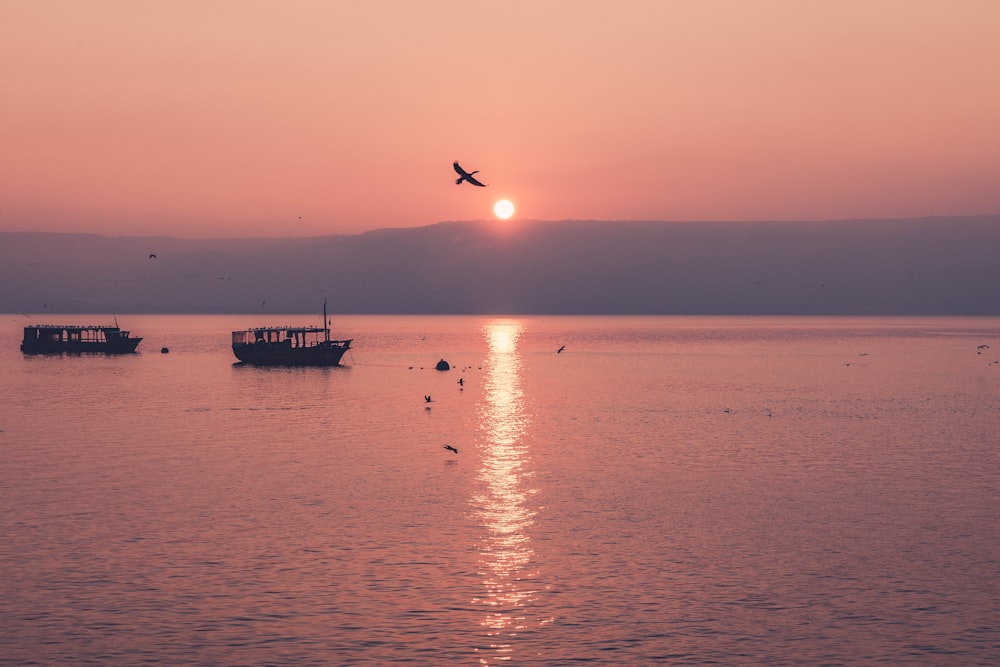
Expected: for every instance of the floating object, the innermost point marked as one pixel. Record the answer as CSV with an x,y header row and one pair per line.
x,y
290,346
164,350
57,338
443,366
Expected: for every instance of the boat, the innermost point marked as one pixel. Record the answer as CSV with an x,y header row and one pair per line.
x,y
289,346
58,338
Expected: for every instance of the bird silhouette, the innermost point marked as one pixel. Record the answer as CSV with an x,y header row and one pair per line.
x,y
152,256
451,449
560,349
427,399
464,175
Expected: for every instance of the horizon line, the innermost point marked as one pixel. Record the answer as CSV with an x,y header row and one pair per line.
x,y
513,223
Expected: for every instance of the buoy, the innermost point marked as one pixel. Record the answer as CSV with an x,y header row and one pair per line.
x,y
443,366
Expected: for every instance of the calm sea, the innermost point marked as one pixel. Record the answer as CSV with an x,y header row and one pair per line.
x,y
679,491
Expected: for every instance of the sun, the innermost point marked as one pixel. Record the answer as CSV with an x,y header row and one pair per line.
x,y
503,209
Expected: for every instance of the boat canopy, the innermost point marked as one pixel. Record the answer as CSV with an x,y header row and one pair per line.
x,y
293,336
55,333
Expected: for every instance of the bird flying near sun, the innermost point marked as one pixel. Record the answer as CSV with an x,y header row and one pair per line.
x,y
464,175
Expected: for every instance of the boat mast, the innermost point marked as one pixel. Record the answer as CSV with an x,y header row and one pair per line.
x,y
326,327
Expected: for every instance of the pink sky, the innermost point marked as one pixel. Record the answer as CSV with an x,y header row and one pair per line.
x,y
240,118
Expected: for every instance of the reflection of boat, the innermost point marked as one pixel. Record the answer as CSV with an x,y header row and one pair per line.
x,y
57,338
289,346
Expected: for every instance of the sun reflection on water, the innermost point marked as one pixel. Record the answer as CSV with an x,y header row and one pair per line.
x,y
507,559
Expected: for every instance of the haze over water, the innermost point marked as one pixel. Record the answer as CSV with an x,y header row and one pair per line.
x,y
664,491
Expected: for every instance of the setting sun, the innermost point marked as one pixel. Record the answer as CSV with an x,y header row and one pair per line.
x,y
503,209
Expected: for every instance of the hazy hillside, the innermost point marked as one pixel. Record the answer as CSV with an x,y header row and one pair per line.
x,y
946,266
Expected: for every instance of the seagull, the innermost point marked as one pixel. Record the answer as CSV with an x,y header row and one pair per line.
x,y
152,256
427,399
461,380
560,349
983,347
451,449
464,175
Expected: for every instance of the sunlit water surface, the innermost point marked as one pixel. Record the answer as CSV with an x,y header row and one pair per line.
x,y
663,491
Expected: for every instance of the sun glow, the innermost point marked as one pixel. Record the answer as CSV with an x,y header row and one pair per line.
x,y
503,209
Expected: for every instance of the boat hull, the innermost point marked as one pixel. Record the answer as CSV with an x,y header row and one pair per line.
x,y
266,354
126,346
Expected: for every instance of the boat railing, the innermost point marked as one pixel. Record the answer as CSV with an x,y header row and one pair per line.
x,y
85,334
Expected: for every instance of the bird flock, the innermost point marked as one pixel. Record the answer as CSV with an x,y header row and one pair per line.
x,y
461,387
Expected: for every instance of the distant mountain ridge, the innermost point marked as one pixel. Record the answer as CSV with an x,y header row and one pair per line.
x,y
924,266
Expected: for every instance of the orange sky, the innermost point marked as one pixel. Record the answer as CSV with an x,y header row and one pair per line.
x,y
240,117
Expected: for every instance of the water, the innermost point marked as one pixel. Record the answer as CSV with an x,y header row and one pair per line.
x,y
664,491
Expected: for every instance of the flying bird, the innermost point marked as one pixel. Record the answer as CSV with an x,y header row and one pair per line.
x,y
451,449
560,349
464,175
427,399
152,256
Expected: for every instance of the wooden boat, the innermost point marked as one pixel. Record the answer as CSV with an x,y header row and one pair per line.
x,y
289,346
58,338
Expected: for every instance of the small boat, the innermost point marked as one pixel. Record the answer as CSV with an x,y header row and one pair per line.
x,y
58,338
289,346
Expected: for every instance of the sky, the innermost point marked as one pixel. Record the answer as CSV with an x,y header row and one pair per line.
x,y
249,118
